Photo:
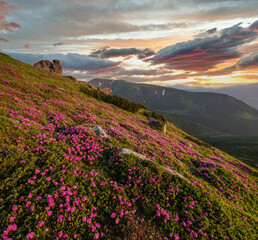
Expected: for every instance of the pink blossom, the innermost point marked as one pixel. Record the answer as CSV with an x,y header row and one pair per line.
x,y
40,224
113,215
30,235
49,213
14,207
96,236
12,218
60,218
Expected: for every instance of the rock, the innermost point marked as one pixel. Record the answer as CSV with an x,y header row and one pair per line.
x,y
151,120
99,131
129,151
164,128
54,67
56,61
106,90
175,173
87,83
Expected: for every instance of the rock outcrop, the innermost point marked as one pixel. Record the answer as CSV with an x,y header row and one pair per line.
x,y
141,156
164,128
99,131
106,90
54,67
129,151
89,84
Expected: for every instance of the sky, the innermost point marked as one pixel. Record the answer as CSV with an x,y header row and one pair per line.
x,y
163,42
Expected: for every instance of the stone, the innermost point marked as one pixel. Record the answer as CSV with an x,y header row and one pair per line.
x,y
54,67
141,156
99,131
164,128
106,90
151,120
87,83
175,173
129,151
56,61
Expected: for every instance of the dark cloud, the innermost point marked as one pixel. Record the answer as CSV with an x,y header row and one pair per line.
x,y
4,39
213,30
27,45
254,26
202,54
250,61
107,52
58,44
5,9
70,61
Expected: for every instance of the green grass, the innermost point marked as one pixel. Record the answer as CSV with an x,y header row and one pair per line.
x,y
58,179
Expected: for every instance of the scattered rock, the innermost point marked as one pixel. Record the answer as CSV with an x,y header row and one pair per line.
x,y
128,151
141,156
151,120
74,79
175,173
54,67
89,84
164,128
106,90
99,131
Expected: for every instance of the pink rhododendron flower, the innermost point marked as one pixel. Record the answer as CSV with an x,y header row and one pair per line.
x,y
30,235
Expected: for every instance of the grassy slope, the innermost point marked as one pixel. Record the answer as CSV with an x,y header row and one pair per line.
x,y
58,179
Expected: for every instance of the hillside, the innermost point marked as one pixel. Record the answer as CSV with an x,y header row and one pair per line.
x,y
246,93
219,112
59,180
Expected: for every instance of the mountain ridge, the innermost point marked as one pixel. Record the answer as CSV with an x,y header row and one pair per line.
x,y
217,111
245,92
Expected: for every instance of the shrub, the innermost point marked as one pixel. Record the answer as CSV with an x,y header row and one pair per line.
x,y
116,100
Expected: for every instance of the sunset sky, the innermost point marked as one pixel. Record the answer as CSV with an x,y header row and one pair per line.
x,y
163,42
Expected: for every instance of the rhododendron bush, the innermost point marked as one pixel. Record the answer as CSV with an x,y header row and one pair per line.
x,y
59,180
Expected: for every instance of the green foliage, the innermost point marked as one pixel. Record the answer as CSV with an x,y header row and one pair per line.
x,y
155,115
116,100
198,141
241,147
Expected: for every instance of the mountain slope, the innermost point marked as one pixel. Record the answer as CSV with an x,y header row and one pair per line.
x,y
217,111
247,93
59,180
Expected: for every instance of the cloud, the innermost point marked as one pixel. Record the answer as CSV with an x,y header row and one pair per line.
x,y
27,45
4,39
202,54
58,44
70,61
213,30
250,61
107,52
254,26
5,9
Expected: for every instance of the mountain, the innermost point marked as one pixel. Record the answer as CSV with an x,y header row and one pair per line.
x,y
218,112
247,93
61,180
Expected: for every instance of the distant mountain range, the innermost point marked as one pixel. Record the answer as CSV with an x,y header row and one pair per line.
x,y
197,113
247,93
